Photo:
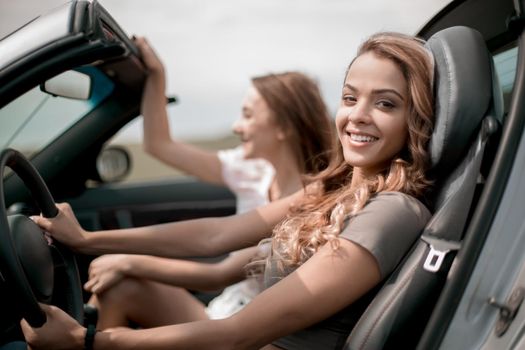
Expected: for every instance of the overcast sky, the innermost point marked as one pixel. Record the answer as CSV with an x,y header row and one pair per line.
x,y
211,48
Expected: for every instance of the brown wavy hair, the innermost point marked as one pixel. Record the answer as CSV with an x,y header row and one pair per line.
x,y
319,218
298,107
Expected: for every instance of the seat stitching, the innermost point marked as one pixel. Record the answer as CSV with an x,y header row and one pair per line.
x,y
389,304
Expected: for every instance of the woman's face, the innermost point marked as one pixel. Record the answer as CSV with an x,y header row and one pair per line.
x,y
372,116
260,135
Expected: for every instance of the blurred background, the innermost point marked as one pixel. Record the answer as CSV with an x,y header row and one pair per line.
x,y
211,49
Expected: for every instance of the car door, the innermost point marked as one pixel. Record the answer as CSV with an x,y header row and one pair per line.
x,y
121,205
64,138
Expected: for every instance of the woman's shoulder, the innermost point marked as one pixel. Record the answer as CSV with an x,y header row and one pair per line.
x,y
387,226
399,202
235,165
240,172
389,210
248,179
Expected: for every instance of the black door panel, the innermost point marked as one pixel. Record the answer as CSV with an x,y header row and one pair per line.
x,y
132,205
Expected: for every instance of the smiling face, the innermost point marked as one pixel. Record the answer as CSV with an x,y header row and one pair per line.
x,y
372,116
260,135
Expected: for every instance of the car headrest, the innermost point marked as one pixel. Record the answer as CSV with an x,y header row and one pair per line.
x,y
463,93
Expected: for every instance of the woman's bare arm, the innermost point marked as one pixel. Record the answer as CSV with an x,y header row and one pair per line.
x,y
107,270
325,284
157,139
194,275
192,238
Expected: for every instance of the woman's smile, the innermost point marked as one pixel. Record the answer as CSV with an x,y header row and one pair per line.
x,y
371,119
361,138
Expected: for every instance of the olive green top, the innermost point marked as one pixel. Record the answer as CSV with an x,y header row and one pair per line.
x,y
387,227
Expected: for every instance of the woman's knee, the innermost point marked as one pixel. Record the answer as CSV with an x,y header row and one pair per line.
x,y
128,288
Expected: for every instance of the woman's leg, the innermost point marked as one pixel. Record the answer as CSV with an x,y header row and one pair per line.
x,y
146,303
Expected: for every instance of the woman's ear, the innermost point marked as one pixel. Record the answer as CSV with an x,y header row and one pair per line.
x,y
281,135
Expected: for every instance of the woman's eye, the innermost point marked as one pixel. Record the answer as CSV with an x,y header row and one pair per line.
x,y
384,104
349,99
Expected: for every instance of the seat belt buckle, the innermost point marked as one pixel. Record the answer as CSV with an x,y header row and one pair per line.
x,y
434,259
439,248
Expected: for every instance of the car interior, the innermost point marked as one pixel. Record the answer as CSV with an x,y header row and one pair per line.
x,y
457,147
410,309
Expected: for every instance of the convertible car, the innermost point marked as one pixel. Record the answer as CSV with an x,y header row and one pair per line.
x,y
70,79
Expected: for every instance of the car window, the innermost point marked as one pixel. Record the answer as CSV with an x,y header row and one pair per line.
x,y
147,168
35,119
505,63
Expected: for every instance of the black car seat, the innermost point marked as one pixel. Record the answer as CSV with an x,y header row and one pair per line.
x,y
469,105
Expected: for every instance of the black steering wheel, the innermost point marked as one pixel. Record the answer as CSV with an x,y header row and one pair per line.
x,y
36,270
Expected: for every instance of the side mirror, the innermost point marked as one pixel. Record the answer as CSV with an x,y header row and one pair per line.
x,y
113,164
69,84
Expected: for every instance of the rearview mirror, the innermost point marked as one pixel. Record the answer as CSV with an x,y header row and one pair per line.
x,y
69,84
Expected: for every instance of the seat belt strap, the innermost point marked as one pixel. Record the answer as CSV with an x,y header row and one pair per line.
x,y
441,242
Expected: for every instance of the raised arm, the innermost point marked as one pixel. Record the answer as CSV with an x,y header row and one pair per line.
x,y
157,139
107,270
199,237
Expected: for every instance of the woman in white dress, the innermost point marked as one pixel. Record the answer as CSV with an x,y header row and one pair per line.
x,y
286,133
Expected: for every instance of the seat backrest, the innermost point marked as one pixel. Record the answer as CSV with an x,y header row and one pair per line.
x,y
469,105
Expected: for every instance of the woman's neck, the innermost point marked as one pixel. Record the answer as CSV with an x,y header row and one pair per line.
x,y
358,175
287,179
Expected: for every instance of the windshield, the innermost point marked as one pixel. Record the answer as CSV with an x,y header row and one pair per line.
x,y
35,119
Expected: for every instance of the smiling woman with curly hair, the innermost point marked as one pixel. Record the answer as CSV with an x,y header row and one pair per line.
x,y
336,244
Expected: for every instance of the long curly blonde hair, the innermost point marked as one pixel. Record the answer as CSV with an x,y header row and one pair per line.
x,y
319,218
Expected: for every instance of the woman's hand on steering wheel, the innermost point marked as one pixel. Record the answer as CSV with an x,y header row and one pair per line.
x,y
64,227
59,332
